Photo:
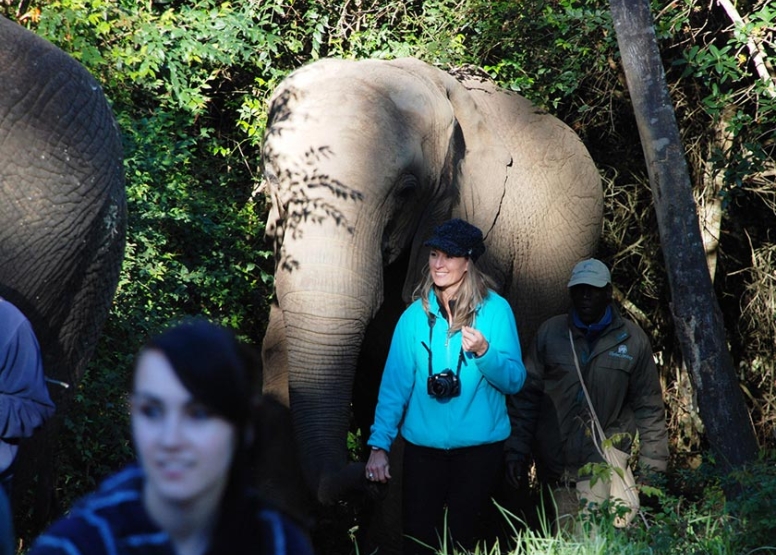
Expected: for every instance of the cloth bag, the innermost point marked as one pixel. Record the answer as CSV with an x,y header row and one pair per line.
x,y
622,488
622,485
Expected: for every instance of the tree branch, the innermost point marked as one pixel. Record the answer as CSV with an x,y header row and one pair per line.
x,y
754,50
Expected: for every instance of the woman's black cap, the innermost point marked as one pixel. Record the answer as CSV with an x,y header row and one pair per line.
x,y
457,237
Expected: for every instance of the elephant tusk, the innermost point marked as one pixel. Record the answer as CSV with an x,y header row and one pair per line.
x,y
57,382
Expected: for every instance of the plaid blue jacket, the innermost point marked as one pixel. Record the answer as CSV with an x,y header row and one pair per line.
x,y
113,521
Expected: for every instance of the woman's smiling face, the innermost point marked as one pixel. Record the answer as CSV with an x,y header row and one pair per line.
x,y
447,271
186,451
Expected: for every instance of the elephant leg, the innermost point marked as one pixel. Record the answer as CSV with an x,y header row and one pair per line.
x,y
278,472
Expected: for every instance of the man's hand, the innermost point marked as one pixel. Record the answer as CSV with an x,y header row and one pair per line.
x,y
516,473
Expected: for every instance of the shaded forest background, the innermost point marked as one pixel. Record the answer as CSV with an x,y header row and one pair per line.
x,y
188,82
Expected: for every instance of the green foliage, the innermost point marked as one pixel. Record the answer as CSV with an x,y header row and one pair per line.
x,y
191,148
755,509
667,525
704,519
183,85
557,54
726,102
702,523
381,29
687,513
95,440
732,94
727,86
355,445
188,82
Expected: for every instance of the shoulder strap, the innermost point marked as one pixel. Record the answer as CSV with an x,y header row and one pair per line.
x,y
599,428
431,322
461,357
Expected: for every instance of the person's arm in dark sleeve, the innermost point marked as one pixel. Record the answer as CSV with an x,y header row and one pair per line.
x,y
523,408
645,396
24,399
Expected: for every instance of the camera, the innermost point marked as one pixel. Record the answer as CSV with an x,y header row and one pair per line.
x,y
444,385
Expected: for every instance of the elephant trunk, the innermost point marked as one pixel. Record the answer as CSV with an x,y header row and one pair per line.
x,y
326,303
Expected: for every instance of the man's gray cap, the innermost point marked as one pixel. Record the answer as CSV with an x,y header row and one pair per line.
x,y
590,272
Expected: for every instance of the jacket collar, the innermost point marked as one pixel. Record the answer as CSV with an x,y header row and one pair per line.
x,y
613,334
594,330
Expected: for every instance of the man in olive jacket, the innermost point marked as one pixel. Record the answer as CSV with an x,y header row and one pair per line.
x,y
551,418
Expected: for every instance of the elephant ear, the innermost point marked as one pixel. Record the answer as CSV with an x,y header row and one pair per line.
x,y
476,172
482,172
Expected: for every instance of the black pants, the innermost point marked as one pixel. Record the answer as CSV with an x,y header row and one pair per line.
x,y
458,481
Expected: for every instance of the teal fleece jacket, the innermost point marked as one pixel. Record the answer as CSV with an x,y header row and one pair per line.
x,y
479,415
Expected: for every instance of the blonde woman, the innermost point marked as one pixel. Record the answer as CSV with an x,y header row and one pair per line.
x,y
454,357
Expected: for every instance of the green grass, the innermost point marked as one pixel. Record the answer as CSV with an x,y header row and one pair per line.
x,y
689,514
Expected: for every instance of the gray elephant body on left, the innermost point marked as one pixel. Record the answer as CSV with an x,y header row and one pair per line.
x,y
62,218
362,160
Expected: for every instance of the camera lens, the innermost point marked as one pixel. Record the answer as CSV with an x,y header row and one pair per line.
x,y
444,385
441,386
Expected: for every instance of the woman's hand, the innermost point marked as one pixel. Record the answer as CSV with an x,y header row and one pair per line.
x,y
377,467
473,341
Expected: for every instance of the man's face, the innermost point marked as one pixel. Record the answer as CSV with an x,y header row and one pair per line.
x,y
590,302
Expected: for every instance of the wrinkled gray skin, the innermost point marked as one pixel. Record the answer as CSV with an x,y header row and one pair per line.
x,y
62,219
362,160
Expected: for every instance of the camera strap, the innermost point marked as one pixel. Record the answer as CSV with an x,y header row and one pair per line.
x,y
431,322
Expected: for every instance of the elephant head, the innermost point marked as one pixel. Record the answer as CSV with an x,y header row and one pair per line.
x,y
362,159
62,217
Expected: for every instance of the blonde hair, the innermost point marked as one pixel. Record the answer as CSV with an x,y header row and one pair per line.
x,y
474,288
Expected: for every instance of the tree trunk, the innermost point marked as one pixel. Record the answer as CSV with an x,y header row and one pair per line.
x,y
695,309
710,200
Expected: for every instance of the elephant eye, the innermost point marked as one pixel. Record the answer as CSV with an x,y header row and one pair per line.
x,y
406,186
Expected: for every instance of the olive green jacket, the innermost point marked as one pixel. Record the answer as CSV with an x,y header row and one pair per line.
x,y
550,417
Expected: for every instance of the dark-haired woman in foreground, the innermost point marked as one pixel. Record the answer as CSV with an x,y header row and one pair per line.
x,y
192,424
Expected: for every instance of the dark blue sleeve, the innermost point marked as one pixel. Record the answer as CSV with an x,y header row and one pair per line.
x,y
7,537
24,400
69,536
298,542
282,536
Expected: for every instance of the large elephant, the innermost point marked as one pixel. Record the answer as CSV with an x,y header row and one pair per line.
x,y
62,218
362,160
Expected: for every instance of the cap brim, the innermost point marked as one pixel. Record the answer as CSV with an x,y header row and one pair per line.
x,y
595,282
447,247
